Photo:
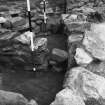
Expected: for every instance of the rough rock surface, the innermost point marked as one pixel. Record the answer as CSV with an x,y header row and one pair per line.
x,y
67,97
59,55
82,57
94,41
72,50
97,67
86,84
10,98
75,37
97,5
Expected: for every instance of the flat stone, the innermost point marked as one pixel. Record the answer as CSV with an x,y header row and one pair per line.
x,y
97,68
71,52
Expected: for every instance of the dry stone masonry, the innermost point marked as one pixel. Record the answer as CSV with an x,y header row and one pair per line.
x,y
85,77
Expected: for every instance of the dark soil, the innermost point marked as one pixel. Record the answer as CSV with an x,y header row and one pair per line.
x,y
41,86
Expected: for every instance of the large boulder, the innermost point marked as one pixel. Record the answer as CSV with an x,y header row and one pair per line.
x,y
11,98
97,67
75,22
87,84
94,41
67,97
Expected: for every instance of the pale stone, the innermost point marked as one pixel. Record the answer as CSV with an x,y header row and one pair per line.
x,y
87,84
3,20
25,37
59,55
97,68
74,38
82,57
94,41
32,102
67,97
40,43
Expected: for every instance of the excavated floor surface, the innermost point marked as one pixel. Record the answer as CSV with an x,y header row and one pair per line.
x,y
41,86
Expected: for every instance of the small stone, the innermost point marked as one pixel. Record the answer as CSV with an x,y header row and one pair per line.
x,y
14,12
3,20
86,84
59,55
52,62
18,21
57,69
94,41
97,67
75,37
32,102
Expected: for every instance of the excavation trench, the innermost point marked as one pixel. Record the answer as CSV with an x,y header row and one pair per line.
x,y
40,85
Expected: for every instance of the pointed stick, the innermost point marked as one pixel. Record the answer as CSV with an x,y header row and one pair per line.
x,y
30,28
